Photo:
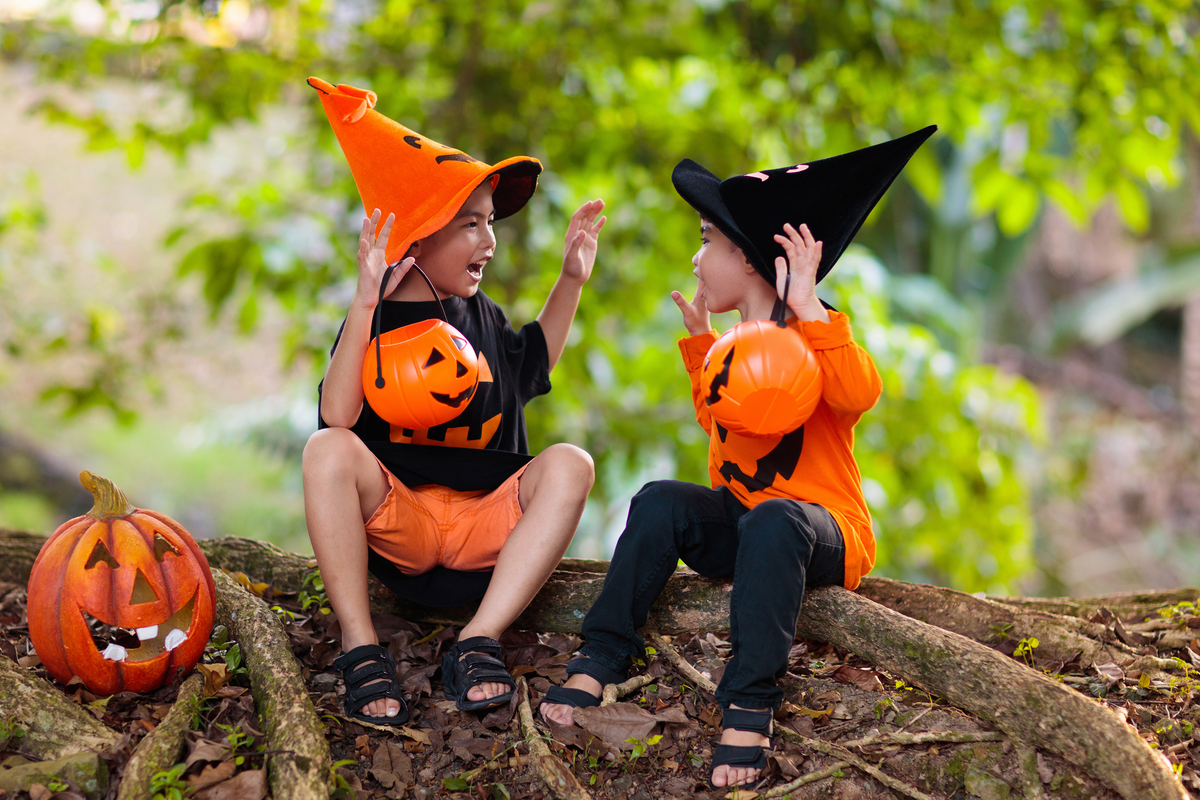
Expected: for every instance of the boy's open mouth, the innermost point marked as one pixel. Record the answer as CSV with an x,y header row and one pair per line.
x,y
475,269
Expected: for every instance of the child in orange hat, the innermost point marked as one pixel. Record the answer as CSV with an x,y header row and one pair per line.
x,y
452,513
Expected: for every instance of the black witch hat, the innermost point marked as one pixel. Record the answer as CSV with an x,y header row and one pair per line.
x,y
832,196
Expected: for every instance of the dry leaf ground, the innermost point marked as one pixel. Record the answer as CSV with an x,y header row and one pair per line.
x,y
655,743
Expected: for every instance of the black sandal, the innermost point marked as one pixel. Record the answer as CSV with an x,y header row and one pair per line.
x,y
749,756
471,662
578,698
381,666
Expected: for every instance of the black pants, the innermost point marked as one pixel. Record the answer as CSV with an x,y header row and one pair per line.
x,y
772,551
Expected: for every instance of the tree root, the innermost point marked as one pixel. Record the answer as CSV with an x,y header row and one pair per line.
x,y
680,663
1025,704
560,781
162,746
841,753
786,789
928,737
613,691
1060,638
1126,605
54,726
301,769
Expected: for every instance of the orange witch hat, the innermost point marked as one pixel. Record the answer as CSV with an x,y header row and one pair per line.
x,y
401,172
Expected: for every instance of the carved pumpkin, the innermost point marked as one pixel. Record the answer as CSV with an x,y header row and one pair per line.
x,y
420,375
430,372
127,568
761,379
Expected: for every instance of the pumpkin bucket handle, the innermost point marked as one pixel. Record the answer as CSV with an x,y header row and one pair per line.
x,y
780,310
387,274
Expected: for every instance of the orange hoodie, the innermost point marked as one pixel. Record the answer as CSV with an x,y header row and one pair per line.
x,y
814,463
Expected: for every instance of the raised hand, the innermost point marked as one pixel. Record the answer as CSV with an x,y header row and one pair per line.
x,y
803,258
579,247
372,262
695,313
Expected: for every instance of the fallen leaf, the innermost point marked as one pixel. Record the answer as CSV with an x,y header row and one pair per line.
x,y
1111,673
212,775
39,792
415,735
250,784
391,758
207,751
865,679
672,715
616,723
215,677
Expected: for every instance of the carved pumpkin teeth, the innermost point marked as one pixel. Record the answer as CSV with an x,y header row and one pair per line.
x,y
147,633
114,652
174,639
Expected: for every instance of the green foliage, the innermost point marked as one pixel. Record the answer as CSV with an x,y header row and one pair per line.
x,y
1025,649
10,732
312,593
169,784
1057,99
941,453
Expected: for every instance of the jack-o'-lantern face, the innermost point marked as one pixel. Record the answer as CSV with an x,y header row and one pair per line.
x,y
430,372
760,379
134,579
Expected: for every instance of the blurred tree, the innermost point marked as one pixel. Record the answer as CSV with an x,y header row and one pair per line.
x,y
1072,100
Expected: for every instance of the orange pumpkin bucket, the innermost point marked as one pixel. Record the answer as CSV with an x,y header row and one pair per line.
x,y
420,375
761,377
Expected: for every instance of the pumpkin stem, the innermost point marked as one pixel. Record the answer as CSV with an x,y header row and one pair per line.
x,y
111,502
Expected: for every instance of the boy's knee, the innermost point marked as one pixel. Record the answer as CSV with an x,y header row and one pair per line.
x,y
571,464
330,448
652,509
779,523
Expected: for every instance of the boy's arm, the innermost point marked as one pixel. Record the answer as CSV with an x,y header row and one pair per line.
x,y
579,256
694,349
342,392
851,384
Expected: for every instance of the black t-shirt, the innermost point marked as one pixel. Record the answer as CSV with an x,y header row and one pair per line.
x,y
485,444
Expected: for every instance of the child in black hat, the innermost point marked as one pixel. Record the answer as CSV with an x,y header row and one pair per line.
x,y
785,511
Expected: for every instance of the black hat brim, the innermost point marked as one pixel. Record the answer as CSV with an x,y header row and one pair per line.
x,y
702,191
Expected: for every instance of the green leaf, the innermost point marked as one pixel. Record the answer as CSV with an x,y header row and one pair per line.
x,y
455,785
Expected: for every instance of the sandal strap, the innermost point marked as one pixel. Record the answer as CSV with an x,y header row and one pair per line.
x,y
360,666
482,668
478,644
575,698
741,719
358,697
472,662
733,755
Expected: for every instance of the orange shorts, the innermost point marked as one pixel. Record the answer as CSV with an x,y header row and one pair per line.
x,y
419,529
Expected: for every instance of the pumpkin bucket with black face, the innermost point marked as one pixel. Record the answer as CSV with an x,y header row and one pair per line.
x,y
421,375
120,597
761,377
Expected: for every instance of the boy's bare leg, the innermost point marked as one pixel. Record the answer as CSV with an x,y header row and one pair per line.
x,y
343,486
553,491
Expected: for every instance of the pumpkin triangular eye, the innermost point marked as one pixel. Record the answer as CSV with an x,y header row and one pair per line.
x,y
162,547
435,357
462,369
461,344
101,553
